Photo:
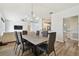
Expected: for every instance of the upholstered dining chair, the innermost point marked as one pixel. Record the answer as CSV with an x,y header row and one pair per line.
x,y
45,33
49,48
24,32
22,44
17,43
37,33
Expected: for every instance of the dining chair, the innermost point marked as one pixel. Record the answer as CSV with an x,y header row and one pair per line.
x,y
24,32
17,42
45,33
49,48
37,33
23,46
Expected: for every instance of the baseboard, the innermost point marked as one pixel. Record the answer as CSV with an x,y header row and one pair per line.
x,y
10,42
2,44
60,41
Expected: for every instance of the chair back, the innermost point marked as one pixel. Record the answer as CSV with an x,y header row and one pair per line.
x,y
52,38
17,39
25,32
45,33
37,33
20,40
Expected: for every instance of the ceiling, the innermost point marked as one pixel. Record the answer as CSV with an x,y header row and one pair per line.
x,y
22,10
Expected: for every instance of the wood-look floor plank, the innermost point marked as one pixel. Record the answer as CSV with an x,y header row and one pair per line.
x,y
62,49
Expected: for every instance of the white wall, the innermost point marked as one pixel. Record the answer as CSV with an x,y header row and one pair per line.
x,y
78,30
15,19
2,26
57,20
36,25
10,25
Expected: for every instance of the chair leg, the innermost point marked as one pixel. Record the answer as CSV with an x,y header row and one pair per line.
x,y
16,49
54,52
32,50
22,53
14,46
19,50
47,54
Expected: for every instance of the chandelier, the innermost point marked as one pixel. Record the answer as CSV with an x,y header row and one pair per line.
x,y
32,17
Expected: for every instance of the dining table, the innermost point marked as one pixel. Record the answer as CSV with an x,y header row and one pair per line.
x,y
35,40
